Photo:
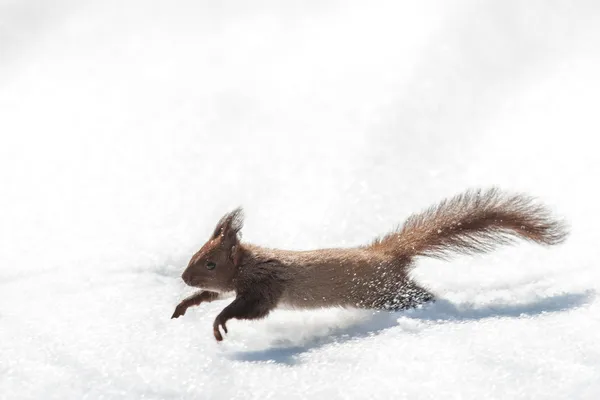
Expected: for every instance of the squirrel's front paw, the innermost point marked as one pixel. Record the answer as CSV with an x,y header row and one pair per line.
x,y
179,310
216,331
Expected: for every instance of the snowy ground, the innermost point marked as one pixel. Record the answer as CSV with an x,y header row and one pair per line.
x,y
128,127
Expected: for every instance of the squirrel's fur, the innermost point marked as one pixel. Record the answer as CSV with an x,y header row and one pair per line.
x,y
372,276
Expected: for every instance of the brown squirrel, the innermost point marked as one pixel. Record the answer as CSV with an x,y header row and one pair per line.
x,y
374,276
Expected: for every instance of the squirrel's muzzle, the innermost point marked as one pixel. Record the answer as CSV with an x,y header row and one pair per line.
x,y
187,277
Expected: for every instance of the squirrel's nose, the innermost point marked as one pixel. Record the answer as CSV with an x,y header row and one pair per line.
x,y
187,277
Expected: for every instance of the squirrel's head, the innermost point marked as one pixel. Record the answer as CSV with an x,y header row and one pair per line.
x,y
214,265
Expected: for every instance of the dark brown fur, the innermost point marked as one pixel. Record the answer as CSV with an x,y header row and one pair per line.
x,y
373,276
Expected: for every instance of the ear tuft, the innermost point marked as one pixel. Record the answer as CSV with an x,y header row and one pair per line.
x,y
230,224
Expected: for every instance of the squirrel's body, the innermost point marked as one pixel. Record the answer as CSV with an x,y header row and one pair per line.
x,y
328,277
372,276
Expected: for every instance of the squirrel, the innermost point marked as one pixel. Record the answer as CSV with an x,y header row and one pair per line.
x,y
373,276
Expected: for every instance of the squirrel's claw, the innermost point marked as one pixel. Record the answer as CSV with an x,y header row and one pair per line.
x,y
217,331
179,311
217,334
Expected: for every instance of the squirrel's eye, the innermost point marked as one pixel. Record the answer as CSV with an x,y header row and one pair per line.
x,y
210,265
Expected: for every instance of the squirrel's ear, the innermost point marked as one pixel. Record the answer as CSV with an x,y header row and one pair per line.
x,y
229,227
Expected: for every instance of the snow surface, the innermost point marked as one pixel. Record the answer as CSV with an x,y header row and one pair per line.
x,y
129,127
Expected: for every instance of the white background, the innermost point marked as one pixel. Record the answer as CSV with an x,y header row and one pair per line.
x,y
127,128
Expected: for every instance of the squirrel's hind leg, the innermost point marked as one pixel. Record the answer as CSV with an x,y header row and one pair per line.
x,y
409,296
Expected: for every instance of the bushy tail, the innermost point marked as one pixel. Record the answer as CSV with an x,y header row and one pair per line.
x,y
473,222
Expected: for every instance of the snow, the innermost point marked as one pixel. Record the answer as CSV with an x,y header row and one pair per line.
x,y
129,127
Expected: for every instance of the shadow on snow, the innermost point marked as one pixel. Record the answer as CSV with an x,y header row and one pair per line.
x,y
439,312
